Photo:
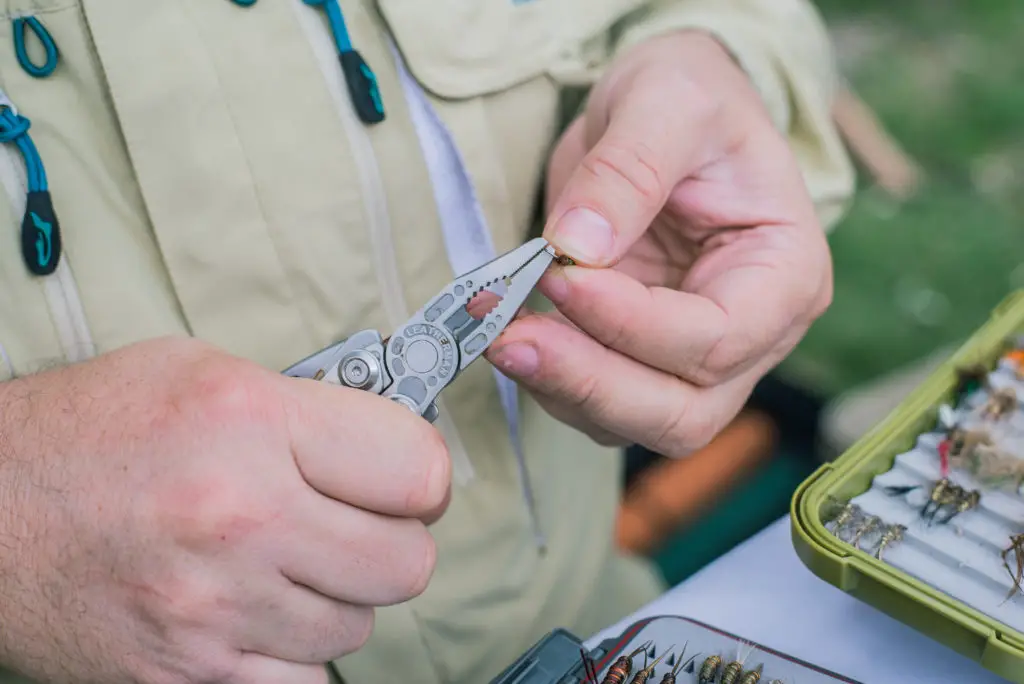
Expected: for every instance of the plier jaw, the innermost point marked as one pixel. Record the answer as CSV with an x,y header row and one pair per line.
x,y
427,352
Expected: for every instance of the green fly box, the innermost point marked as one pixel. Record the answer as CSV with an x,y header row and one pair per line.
x,y
923,517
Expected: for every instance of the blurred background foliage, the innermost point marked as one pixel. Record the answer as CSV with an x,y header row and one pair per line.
x,y
910,277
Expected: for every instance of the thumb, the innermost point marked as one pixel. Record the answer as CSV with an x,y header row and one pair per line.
x,y
653,140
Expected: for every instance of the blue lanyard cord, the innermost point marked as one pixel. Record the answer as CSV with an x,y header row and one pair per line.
x,y
335,17
359,77
40,231
244,3
20,27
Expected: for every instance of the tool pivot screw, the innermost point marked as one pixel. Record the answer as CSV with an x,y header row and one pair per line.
x,y
359,370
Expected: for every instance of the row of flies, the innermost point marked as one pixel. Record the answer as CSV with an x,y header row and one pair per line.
x,y
712,670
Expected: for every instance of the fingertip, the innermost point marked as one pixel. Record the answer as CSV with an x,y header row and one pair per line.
x,y
555,284
575,286
438,481
435,515
518,359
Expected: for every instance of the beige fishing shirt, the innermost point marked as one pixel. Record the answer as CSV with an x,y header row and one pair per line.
x,y
211,179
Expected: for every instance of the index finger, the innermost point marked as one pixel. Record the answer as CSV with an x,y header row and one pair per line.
x,y
367,451
741,303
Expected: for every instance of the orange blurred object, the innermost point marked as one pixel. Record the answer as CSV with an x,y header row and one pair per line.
x,y
673,493
1017,356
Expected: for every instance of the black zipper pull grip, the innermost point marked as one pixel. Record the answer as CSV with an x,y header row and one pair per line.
x,y
362,87
40,234
41,243
359,77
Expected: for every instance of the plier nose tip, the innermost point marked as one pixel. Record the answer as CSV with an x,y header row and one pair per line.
x,y
507,280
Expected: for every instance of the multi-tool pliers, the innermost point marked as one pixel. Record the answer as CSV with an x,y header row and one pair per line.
x,y
426,353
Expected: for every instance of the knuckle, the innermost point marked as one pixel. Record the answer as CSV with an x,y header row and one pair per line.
x,y
711,372
182,601
715,363
152,672
698,103
219,391
704,105
585,394
620,332
228,394
823,299
347,631
215,669
686,430
732,351
821,305
192,659
718,367
596,405
703,430
212,511
634,164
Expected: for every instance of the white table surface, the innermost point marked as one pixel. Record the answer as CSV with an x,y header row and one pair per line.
x,y
761,591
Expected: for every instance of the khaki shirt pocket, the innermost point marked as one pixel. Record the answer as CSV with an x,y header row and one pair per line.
x,y
467,48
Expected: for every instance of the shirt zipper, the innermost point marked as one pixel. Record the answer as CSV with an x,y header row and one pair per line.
x,y
374,199
59,288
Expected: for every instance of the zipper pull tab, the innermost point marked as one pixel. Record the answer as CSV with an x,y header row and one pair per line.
x,y
362,87
40,234
359,77
41,243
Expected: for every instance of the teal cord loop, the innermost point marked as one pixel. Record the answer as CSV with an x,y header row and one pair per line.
x,y
41,243
21,26
359,77
244,3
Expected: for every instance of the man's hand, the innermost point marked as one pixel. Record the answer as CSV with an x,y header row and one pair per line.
x,y
172,514
702,263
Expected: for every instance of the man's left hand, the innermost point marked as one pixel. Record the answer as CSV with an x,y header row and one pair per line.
x,y
701,262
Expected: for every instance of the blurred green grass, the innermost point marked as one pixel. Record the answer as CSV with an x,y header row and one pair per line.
x,y
909,278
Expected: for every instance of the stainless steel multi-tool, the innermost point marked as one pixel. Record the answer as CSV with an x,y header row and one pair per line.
x,y
427,352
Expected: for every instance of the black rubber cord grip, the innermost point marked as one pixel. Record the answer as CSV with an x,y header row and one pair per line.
x,y
362,87
40,234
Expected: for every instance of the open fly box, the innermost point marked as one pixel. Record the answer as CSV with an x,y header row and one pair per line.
x,y
661,650
944,564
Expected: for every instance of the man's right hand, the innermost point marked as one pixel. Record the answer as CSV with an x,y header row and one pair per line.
x,y
170,514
